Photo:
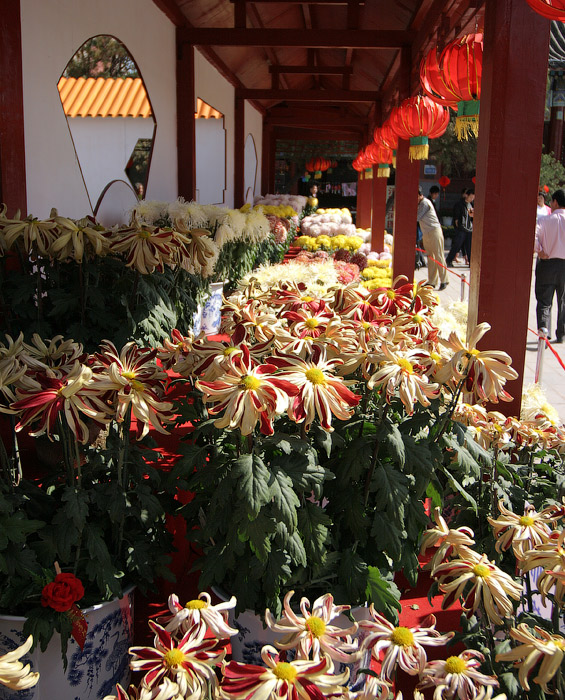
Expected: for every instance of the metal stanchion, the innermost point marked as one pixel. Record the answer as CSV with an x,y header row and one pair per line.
x,y
463,285
539,359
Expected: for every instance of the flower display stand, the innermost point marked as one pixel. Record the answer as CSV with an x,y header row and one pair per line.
x,y
91,673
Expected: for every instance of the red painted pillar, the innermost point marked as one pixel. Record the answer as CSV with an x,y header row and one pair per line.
x,y
239,155
405,212
508,164
12,142
364,196
379,214
186,106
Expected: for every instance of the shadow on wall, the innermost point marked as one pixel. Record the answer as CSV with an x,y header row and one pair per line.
x,y
111,124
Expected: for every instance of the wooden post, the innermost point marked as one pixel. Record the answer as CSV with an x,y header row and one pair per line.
x,y
12,141
379,214
508,165
239,154
405,212
186,105
364,197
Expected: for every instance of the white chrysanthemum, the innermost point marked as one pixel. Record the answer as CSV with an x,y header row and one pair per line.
x,y
149,211
534,402
318,277
452,317
13,673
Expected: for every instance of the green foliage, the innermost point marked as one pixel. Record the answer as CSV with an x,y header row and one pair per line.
x,y
101,57
457,158
552,173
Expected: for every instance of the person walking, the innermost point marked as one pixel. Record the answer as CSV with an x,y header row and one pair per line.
x,y
467,241
432,235
462,227
550,267
433,196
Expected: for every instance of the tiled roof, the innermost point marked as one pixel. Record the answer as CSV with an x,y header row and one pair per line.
x,y
104,97
205,111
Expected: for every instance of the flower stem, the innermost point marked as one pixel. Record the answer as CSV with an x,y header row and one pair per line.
x,y
449,412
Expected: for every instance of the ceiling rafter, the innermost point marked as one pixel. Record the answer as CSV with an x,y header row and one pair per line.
x,y
255,19
308,95
311,68
314,38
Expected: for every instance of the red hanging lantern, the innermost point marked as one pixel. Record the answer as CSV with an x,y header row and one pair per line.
x,y
444,181
474,180
318,166
552,9
454,80
386,137
419,119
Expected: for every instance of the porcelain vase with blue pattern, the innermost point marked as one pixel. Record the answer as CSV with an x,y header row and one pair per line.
x,y
212,311
197,321
91,673
252,637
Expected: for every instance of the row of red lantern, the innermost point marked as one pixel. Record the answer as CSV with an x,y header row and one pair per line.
x,y
552,9
320,165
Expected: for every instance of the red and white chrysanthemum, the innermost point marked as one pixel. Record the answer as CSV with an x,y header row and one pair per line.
x,y
524,532
307,323
175,350
280,680
321,393
248,394
458,676
199,612
189,662
446,542
403,646
312,633
147,248
166,690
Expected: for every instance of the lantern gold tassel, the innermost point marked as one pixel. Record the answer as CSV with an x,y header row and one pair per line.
x,y
383,170
369,174
419,151
466,125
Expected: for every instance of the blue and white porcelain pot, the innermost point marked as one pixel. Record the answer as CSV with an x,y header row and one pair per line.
x,y
212,311
91,673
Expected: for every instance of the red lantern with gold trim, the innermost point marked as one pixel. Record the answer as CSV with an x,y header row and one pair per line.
x,y
318,166
419,119
454,80
385,136
552,9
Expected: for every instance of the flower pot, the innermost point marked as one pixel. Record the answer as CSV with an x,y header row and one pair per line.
x,y
252,636
211,314
197,320
92,673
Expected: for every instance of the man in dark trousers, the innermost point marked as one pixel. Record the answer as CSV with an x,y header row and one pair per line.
x,y
462,228
550,267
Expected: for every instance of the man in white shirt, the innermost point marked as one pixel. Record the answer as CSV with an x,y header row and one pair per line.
x,y
550,268
432,234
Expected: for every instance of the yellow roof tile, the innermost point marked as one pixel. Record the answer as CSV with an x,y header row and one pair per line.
x,y
104,97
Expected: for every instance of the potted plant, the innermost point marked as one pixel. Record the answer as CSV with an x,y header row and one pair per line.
x,y
321,426
88,525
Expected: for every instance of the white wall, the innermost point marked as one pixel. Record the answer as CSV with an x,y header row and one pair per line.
x,y
211,175
52,30
254,126
214,89
104,146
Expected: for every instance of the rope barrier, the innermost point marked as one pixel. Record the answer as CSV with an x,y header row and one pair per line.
x,y
464,281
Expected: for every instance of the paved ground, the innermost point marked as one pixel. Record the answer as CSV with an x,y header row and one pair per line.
x,y
553,375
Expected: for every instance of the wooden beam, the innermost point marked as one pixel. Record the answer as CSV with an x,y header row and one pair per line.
x,y
378,218
12,141
308,95
311,68
303,2
309,38
256,21
172,10
240,14
508,160
311,133
186,139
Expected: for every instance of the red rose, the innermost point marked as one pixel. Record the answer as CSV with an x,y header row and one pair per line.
x,y
61,593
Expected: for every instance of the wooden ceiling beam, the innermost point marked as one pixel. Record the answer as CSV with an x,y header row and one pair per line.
x,y
308,95
302,2
311,68
304,135
308,38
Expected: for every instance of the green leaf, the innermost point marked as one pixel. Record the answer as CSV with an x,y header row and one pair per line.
x,y
395,444
258,532
252,482
384,594
390,486
285,499
76,507
353,574
386,535
356,459
434,494
313,523
456,486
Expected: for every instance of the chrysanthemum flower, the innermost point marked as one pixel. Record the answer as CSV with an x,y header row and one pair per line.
x,y
71,397
212,357
530,649
523,532
550,556
147,248
458,676
312,633
402,372
446,542
248,394
375,689
477,580
487,371
190,662
53,353
403,646
280,680
305,322
321,393
175,350
199,612
392,301
166,690
33,233
73,237
13,673
136,380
